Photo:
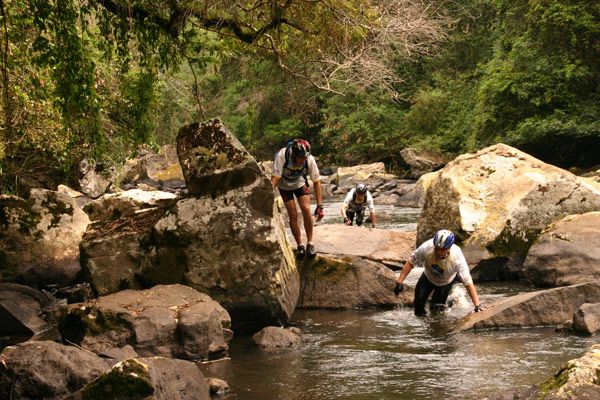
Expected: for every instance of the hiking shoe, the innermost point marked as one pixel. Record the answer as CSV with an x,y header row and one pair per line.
x,y
310,248
300,252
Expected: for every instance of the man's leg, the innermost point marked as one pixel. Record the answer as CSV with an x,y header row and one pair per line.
x,y
439,298
290,206
350,216
360,214
422,292
304,203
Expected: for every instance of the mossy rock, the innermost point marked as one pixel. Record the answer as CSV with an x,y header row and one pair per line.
x,y
129,379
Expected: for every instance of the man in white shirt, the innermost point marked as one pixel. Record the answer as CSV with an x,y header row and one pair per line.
x,y
292,165
354,205
444,265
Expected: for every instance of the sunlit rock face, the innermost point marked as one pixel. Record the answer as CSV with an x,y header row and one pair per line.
x,y
499,199
39,238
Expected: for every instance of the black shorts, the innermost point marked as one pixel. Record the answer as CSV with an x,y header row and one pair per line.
x,y
288,195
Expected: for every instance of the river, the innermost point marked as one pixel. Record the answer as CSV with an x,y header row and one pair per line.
x,y
380,354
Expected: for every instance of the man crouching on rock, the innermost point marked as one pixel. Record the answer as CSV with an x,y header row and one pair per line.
x,y
444,265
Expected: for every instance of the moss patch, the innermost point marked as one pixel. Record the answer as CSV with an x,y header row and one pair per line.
x,y
327,269
83,321
513,242
556,382
126,380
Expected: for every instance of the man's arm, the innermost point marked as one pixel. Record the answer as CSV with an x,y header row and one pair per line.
x,y
472,291
405,271
373,217
275,181
318,192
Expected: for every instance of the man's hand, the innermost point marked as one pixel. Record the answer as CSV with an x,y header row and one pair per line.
x,y
347,221
319,214
398,288
478,308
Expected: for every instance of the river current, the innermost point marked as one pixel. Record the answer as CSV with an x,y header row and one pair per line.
x,y
380,354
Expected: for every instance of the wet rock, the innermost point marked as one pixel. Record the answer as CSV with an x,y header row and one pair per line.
x,y
272,337
542,308
347,282
567,252
218,387
46,370
166,320
40,237
586,319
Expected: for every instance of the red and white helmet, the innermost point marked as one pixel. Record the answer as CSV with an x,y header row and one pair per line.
x,y
301,148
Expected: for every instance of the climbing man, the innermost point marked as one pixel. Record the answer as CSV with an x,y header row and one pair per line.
x,y
444,265
354,205
292,165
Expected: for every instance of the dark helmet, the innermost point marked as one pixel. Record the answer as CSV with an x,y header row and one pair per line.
x,y
301,148
361,188
443,239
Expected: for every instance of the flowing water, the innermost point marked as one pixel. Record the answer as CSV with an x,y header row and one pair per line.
x,y
380,354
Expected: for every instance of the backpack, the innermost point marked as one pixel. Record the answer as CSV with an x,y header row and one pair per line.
x,y
295,174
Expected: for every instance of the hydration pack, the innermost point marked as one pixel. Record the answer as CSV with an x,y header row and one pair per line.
x,y
297,171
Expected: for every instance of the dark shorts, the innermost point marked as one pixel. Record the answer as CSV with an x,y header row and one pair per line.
x,y
288,195
438,300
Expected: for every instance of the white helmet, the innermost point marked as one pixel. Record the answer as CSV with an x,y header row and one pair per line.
x,y
443,239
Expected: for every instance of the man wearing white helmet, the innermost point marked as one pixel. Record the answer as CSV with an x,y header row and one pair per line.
x,y
357,199
444,264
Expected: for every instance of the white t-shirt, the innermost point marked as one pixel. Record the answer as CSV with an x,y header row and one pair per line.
x,y
441,272
353,206
292,176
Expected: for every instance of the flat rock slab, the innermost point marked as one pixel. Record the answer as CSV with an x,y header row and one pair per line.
x,y
370,243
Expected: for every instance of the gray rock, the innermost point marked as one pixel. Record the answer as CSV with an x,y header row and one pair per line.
x,y
587,319
152,377
567,252
550,307
40,237
347,282
166,320
46,370
272,337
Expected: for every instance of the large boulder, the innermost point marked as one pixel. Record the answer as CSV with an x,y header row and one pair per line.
x,y
346,282
499,200
227,240
147,378
380,245
166,320
46,370
40,237
567,252
550,307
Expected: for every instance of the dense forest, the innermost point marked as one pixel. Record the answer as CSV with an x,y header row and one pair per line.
x,y
360,79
